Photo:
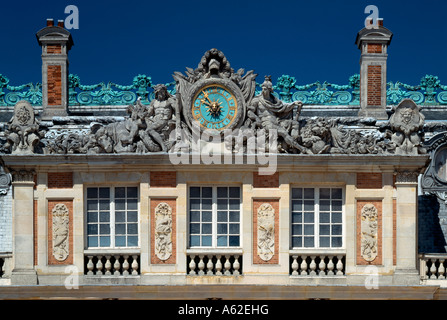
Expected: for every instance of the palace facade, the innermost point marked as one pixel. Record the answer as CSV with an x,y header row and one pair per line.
x,y
216,181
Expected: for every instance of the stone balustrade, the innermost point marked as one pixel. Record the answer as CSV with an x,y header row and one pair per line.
x,y
317,264
433,266
112,264
217,264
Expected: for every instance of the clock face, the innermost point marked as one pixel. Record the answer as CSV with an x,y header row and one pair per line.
x,y
214,107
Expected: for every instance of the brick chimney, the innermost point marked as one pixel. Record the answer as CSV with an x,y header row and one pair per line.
x,y
55,41
373,43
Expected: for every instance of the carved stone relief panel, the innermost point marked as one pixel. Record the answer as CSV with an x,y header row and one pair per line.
x,y
60,221
266,231
369,230
163,231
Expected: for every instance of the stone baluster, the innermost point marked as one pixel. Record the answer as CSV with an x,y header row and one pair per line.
x,y
134,265
236,266
218,266
192,265
304,266
423,267
126,266
294,266
117,266
322,267
209,265
330,266
227,265
441,269
433,269
90,265
339,266
99,266
313,266
201,265
108,266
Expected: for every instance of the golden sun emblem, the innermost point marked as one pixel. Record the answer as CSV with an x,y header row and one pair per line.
x,y
213,106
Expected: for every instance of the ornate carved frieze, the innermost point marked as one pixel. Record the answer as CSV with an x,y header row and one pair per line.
x,y
163,231
23,175
369,232
60,230
407,177
266,231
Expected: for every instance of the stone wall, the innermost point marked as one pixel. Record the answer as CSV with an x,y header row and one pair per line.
x,y
6,222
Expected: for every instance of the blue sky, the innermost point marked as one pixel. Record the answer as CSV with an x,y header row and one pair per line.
x,y
310,40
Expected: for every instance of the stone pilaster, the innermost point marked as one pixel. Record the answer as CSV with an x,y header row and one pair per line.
x,y
406,272
23,272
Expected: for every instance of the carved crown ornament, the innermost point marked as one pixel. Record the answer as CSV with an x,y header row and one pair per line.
x,y
229,106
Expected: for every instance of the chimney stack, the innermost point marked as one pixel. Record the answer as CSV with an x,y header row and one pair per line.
x,y
373,43
55,42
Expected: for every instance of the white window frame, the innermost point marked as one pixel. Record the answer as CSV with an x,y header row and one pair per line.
x,y
316,235
112,218
214,218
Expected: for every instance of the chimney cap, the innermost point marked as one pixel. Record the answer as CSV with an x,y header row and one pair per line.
x,y
50,22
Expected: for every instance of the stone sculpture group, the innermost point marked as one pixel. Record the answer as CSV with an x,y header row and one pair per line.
x,y
166,126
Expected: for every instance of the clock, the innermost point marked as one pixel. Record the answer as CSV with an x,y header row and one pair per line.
x,y
214,107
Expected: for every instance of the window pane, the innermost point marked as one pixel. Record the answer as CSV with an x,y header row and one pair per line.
x,y
309,217
222,241
207,216
194,216
336,217
104,205
234,228
92,217
194,241
235,204
297,205
194,192
222,228
132,204
120,228
325,193
325,217
207,192
120,241
308,242
120,216
297,229
337,193
325,242
336,205
308,230
92,193
132,192
308,205
92,241
222,204
120,192
297,193
207,204
132,228
336,242
324,229
336,229
194,228
234,241
206,241
308,193
235,192
325,205
222,216
132,216
120,204
104,229
222,192
297,242
104,241
297,217
234,216
194,204
104,216
132,241
104,193
207,228
92,205
92,229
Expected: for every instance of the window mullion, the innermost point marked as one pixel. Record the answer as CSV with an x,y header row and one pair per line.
x,y
214,217
112,217
317,217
